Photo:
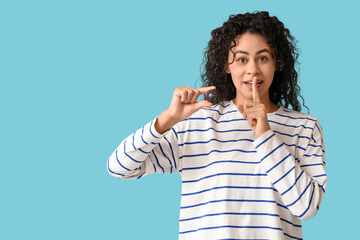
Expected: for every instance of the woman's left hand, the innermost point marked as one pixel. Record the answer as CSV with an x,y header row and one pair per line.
x,y
255,112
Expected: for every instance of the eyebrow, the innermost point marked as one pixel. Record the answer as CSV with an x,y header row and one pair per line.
x,y
258,52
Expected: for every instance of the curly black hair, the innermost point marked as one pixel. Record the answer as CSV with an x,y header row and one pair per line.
x,y
284,89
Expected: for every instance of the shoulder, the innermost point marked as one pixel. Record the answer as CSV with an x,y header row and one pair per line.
x,y
292,117
295,115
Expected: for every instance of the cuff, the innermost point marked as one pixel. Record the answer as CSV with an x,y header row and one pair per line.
x,y
153,131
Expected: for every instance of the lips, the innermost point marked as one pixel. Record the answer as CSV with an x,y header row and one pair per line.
x,y
249,83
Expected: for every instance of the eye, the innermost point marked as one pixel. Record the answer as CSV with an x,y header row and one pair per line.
x,y
262,59
241,60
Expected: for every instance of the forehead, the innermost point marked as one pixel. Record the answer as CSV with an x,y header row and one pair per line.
x,y
250,42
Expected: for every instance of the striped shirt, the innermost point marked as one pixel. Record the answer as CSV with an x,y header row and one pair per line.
x,y
234,185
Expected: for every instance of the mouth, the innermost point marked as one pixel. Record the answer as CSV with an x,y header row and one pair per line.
x,y
250,83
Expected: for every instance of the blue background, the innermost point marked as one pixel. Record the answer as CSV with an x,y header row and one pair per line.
x,y
77,77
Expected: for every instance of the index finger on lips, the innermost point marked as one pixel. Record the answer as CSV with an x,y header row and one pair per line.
x,y
255,91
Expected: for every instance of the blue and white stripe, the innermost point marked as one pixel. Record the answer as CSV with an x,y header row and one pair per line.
x,y
234,185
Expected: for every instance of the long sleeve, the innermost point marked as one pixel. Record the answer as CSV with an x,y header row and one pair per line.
x,y
234,184
300,180
145,152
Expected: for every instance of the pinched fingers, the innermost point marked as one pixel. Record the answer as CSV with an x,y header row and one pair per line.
x,y
190,95
200,91
197,94
185,94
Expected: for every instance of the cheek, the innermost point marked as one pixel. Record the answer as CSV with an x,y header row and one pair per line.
x,y
270,74
237,73
236,79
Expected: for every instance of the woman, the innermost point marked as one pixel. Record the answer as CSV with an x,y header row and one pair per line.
x,y
250,167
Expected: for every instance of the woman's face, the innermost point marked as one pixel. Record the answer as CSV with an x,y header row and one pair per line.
x,y
253,58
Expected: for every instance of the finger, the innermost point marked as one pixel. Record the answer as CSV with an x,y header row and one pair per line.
x,y
251,118
193,93
248,107
206,89
255,91
183,94
202,104
196,95
253,122
190,94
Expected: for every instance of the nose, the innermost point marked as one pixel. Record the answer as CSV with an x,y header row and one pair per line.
x,y
252,68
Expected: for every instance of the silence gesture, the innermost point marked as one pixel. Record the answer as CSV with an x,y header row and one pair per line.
x,y
255,112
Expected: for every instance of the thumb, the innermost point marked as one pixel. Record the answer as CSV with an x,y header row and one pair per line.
x,y
201,104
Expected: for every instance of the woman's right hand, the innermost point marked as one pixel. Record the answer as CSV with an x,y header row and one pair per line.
x,y
183,105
